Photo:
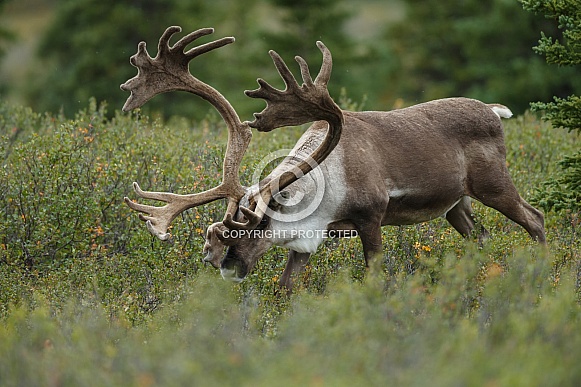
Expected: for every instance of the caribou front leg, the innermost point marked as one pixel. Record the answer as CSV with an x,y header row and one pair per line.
x,y
372,245
295,266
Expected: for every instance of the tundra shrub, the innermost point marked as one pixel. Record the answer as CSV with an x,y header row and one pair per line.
x,y
65,227
87,296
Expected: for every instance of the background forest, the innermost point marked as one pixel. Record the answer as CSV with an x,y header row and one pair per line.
x,y
386,53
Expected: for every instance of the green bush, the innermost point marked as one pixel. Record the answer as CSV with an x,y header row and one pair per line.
x,y
89,297
63,184
522,332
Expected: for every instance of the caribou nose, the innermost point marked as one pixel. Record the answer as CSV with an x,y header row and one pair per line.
x,y
212,260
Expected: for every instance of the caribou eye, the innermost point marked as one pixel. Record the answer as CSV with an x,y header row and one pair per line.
x,y
263,221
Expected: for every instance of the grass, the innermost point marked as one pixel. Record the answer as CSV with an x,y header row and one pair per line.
x,y
88,297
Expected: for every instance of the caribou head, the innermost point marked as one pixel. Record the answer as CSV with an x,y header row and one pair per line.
x,y
363,170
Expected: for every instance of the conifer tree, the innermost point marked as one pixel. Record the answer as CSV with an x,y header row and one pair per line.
x,y
564,191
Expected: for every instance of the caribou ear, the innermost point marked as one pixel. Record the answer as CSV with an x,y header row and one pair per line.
x,y
213,248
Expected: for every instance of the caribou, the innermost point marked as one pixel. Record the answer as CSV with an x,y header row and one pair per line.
x,y
362,170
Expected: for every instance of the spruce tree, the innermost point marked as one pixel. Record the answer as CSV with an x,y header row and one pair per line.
x,y
564,191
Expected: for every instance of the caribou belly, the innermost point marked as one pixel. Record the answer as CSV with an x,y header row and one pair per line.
x,y
408,207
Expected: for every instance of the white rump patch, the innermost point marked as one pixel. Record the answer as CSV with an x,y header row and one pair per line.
x,y
501,111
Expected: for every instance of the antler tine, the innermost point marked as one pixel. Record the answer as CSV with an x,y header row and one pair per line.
x,y
163,45
204,48
266,91
253,219
286,75
158,219
263,92
161,196
141,58
326,67
168,71
181,44
192,36
306,74
297,104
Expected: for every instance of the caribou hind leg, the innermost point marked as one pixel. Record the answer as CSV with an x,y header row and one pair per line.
x,y
495,189
518,210
461,218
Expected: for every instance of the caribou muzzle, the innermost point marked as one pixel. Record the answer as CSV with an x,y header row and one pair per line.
x,y
233,269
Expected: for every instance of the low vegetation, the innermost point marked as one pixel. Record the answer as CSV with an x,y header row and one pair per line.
x,y
89,297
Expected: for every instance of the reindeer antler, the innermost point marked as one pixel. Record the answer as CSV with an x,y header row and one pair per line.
x,y
297,105
168,71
